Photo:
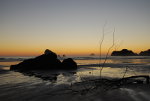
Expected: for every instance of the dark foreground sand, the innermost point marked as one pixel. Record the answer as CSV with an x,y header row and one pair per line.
x,y
15,86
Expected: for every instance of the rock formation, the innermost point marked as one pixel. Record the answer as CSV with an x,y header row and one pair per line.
x,y
67,63
48,60
123,52
145,53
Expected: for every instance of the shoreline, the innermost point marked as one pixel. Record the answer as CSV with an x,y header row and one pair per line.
x,y
74,85
35,89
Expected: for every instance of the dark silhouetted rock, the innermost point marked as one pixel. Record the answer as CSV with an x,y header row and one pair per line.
x,y
69,64
50,53
46,61
145,53
92,54
123,52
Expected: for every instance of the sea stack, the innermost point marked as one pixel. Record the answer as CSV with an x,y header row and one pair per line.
x,y
145,53
67,63
124,52
48,60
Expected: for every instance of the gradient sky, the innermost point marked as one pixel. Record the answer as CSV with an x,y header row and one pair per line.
x,y
72,27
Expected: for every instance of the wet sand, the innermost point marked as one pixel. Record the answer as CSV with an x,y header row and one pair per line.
x,y
75,85
15,86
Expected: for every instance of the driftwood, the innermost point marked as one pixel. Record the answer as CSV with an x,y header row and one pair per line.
x,y
124,80
103,84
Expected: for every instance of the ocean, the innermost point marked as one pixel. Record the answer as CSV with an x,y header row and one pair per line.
x,y
16,86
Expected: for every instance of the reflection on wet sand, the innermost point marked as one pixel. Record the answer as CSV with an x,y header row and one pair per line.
x,y
76,85
52,76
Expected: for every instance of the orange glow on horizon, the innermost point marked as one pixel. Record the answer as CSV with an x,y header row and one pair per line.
x,y
76,52
39,52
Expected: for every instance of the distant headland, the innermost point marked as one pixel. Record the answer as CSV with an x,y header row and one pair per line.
x,y
145,53
126,52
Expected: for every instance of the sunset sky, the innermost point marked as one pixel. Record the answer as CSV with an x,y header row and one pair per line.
x,y
72,27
